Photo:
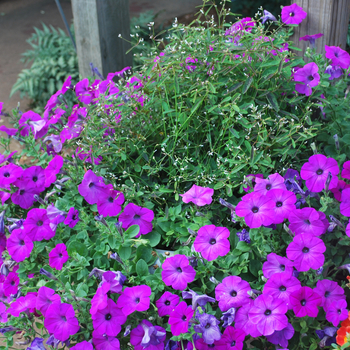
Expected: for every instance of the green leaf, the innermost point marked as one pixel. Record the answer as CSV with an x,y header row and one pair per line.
x,y
273,101
132,231
141,268
243,246
153,237
247,84
124,253
77,247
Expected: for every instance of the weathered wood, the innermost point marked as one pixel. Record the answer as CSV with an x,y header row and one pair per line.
x,y
98,24
329,17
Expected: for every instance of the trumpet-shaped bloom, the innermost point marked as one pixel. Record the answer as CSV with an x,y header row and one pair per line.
x,y
315,172
337,191
23,304
232,292
135,215
99,300
72,217
111,205
345,173
307,78
334,72
19,245
293,14
24,196
84,345
37,225
147,336
338,56
311,38
268,16
135,299
306,220
177,272
180,318
45,298
305,302
212,242
93,188
330,292
9,174
337,312
58,256
11,284
34,177
209,327
104,342
166,303
232,339
198,195
281,337
52,169
276,264
284,204
306,251
273,182
115,280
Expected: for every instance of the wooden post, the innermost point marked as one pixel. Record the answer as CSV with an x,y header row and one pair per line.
x,y
98,24
329,17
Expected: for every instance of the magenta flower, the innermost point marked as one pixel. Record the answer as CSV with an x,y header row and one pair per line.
x,y
345,202
19,245
281,286
111,205
25,120
99,300
334,72
83,92
305,302
273,182
24,196
232,339
209,327
177,272
276,264
135,215
284,204
345,173
37,225
4,196
311,38
256,209
269,314
108,320
104,342
307,252
307,77
179,318
330,292
8,131
115,279
52,169
338,56
246,187
212,242
337,191
84,345
60,320
147,336
3,313
316,170
135,299
11,284
281,337
46,297
306,220
58,256
34,177
23,304
72,217
93,188
293,14
9,174
198,195
337,312
166,303
232,292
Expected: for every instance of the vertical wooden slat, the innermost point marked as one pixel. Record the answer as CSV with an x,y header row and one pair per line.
x,y
97,25
329,17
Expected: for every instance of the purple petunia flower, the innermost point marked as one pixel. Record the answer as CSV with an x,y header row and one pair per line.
x,y
243,235
306,251
24,196
228,316
60,320
55,145
281,337
84,345
72,217
305,302
34,177
212,242
337,312
209,327
179,318
316,170
293,14
276,264
253,177
256,209
135,299
108,320
273,182
55,216
52,169
198,195
9,174
19,245
3,313
166,303
104,342
232,339
58,256
197,299
25,120
291,176
306,220
115,279
37,225
330,292
281,286
37,344
99,300
93,188
46,297
112,204
232,292
334,72
284,204
11,284
311,38
338,56
337,191
307,78
23,304
268,16
135,215
177,272
83,91
147,336
345,173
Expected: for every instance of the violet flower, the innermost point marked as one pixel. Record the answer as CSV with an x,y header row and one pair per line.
x,y
37,344
311,38
281,337
198,195
179,318
307,78
135,299
93,187
273,182
305,302
166,303
276,264
243,235
293,14
268,16
338,56
330,292
228,317
145,335
19,245
209,327
284,204
197,299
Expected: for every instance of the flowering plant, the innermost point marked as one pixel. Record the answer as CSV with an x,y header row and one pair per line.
x,y
93,259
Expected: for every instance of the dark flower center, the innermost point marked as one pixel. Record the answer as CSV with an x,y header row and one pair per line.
x,y
303,302
110,199
63,318
35,178
255,210
21,192
91,184
279,204
60,255
73,217
137,300
7,174
12,283
319,172
178,269
211,346
310,78
233,293
307,222
305,250
339,311
108,317
268,187
167,303
282,267
233,343
137,216
212,241
21,242
184,318
39,223
283,288
336,54
327,294
291,14
267,312
207,326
